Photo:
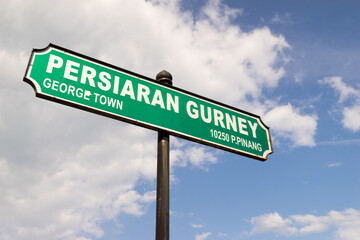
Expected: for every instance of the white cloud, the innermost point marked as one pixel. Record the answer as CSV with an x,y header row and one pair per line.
x,y
345,92
196,225
313,224
281,18
335,164
346,224
272,222
288,122
220,14
184,153
80,192
351,112
202,236
299,77
351,118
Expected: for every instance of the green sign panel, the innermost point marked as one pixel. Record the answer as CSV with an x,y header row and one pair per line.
x,y
63,76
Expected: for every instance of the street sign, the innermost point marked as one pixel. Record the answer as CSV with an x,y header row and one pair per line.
x,y
70,78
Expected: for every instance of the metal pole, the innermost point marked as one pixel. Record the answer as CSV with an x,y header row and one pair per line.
x,y
163,184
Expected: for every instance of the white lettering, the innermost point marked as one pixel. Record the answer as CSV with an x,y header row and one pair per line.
x,y
69,69
88,73
194,113
170,102
105,84
230,121
119,104
103,99
111,102
202,113
158,99
218,118
63,88
253,128
55,85
54,61
71,90
96,97
116,85
87,95
79,92
143,93
242,126
128,90
47,83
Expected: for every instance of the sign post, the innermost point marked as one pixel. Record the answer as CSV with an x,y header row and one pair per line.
x,y
61,75
163,182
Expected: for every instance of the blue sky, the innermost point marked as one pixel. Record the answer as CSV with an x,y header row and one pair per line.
x,y
68,174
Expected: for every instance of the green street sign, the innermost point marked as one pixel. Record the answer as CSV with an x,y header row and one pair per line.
x,y
70,78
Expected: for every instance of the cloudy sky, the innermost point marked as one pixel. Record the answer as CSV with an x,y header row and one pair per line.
x,y
69,174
